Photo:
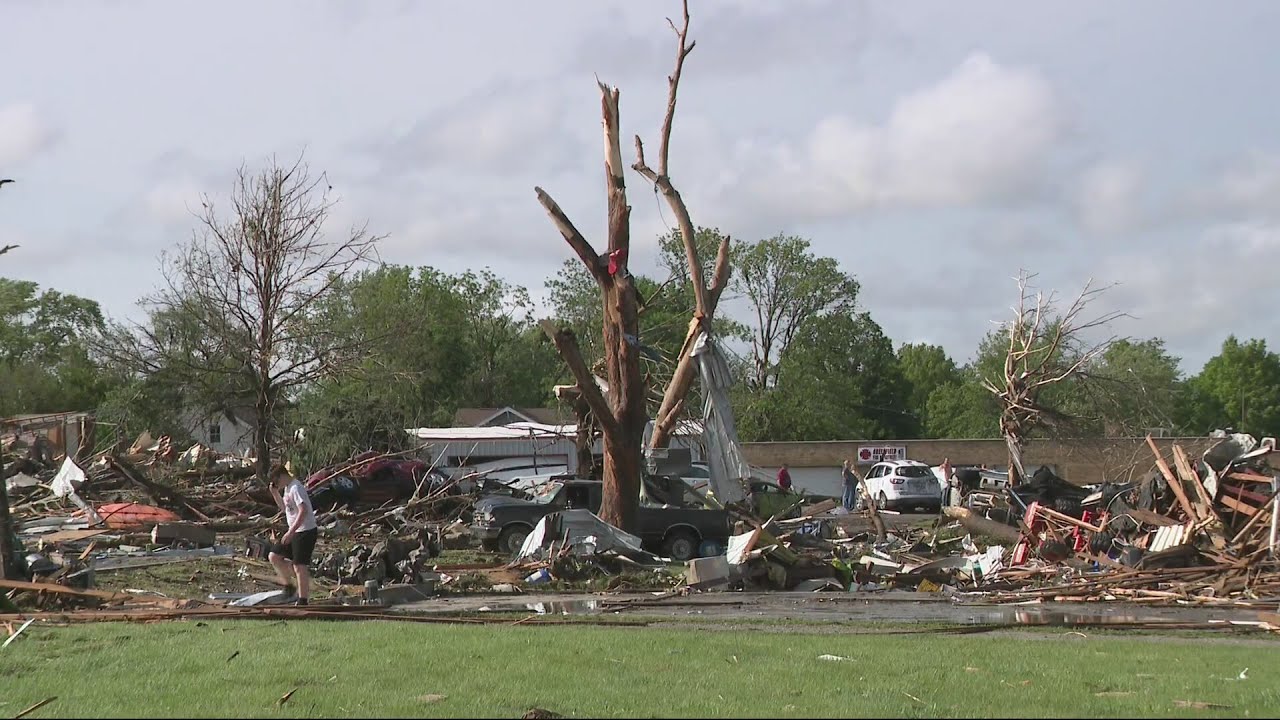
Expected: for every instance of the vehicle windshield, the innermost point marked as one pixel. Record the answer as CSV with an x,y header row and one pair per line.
x,y
914,471
544,494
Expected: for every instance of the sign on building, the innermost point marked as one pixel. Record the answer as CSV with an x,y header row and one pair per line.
x,y
870,454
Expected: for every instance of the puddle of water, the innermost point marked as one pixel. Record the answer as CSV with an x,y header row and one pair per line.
x,y
565,607
1060,618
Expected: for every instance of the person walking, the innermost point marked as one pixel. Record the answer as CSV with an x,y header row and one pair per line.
x,y
784,478
291,555
850,486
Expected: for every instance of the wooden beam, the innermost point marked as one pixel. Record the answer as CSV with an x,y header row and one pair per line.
x,y
1174,484
1188,473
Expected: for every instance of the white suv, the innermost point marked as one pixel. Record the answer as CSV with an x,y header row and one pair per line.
x,y
903,484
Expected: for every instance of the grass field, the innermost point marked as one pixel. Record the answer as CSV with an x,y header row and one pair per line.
x,y
367,669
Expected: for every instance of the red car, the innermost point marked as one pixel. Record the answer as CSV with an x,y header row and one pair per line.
x,y
370,480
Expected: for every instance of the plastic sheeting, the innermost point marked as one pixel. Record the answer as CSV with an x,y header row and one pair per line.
x,y
725,462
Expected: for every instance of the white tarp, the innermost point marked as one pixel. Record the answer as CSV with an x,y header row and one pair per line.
x,y
69,479
725,463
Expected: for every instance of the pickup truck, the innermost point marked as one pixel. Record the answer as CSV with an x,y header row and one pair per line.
x,y
503,522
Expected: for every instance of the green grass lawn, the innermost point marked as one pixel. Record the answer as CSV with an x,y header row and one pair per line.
x,y
380,669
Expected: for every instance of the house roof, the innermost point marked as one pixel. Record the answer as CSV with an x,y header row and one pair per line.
x,y
478,417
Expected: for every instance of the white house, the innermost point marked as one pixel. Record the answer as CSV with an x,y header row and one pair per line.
x,y
229,432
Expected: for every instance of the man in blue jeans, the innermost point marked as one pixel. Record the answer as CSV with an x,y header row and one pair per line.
x,y
850,486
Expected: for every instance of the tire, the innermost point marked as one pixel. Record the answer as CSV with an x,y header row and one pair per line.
x,y
681,545
882,501
512,538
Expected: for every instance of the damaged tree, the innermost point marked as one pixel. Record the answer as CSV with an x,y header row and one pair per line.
x,y
622,416
706,297
1045,350
237,319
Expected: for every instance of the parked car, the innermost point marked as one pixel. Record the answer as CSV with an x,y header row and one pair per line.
x,y
503,522
904,484
371,483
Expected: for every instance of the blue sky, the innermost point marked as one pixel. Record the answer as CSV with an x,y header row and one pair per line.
x,y
934,148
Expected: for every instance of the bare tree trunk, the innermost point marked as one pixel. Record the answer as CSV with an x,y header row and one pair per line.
x,y
8,567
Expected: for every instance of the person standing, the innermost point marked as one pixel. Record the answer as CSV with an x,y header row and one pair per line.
x,y
850,486
784,478
291,555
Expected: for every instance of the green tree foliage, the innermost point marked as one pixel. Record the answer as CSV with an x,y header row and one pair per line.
x,y
437,342
1238,388
838,380
926,368
44,361
786,285
1133,387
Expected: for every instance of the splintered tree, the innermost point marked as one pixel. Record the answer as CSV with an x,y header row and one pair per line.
x,y
236,320
1045,350
622,415
706,297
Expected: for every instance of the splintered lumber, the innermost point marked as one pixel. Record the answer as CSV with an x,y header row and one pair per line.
x,y
1150,518
1188,473
97,595
1172,479
1248,476
817,508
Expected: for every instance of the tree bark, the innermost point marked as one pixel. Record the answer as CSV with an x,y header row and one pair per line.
x,y
622,415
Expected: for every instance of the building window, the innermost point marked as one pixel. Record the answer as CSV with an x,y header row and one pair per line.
x,y
215,433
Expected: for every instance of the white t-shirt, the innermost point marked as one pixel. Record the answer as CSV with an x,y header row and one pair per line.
x,y
296,500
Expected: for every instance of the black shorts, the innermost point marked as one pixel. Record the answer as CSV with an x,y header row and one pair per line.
x,y
299,551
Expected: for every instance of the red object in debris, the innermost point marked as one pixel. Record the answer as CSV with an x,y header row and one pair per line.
x,y
130,515
616,259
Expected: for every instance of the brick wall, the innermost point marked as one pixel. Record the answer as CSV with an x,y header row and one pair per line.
x,y
1082,461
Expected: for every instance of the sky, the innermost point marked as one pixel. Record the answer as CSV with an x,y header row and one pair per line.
x,y
934,148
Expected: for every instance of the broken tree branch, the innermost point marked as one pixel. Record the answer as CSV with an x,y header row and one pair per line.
x,y
567,345
580,245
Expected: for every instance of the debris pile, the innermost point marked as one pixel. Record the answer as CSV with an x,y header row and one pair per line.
x,y
1197,532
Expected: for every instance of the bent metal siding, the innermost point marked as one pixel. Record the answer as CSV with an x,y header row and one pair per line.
x,y
1082,461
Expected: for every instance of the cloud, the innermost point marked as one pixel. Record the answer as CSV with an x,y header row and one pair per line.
x,y
1109,198
734,40
1250,186
984,134
1194,293
507,126
24,133
174,202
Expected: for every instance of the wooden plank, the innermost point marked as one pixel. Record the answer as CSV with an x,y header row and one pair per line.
x,y
1174,484
1248,476
63,590
72,535
1150,518
1188,473
1241,494
816,508
1237,505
